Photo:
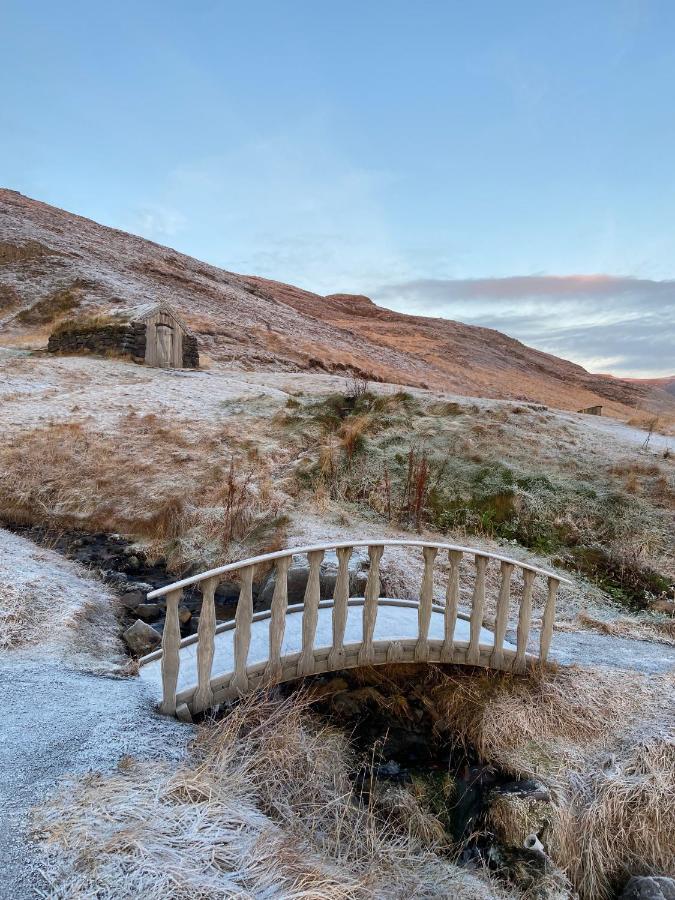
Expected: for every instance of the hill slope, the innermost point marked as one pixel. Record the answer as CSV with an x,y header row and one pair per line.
x,y
54,264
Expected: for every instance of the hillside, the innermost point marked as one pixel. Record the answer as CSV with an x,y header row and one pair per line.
x,y
54,264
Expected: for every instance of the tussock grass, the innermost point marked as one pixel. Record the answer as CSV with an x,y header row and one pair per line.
x,y
601,741
661,630
604,742
263,807
22,616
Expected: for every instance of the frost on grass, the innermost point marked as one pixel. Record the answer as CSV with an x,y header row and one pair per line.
x,y
262,807
51,602
603,741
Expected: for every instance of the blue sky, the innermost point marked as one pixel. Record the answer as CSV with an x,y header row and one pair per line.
x,y
425,153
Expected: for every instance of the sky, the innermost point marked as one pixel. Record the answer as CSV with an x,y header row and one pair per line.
x,y
505,163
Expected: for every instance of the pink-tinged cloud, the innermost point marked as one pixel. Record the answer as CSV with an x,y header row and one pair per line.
x,y
604,322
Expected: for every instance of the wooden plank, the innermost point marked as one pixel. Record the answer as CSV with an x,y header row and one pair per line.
x,y
170,653
477,606
372,595
424,609
524,621
548,619
278,619
310,613
497,657
340,608
206,646
451,604
242,631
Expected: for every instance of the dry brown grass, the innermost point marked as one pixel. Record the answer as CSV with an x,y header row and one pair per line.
x,y
661,630
22,616
191,496
604,742
264,806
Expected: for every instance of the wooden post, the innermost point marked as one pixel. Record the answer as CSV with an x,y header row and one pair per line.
x,y
451,605
366,652
170,653
242,631
477,605
548,619
310,613
424,609
278,619
206,645
497,657
340,609
524,620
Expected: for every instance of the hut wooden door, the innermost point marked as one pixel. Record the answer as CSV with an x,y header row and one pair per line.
x,y
164,346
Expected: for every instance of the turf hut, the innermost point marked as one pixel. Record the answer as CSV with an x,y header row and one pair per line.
x,y
152,334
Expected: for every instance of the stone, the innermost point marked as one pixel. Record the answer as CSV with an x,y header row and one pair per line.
x,y
133,599
147,611
142,638
649,887
298,573
518,810
184,615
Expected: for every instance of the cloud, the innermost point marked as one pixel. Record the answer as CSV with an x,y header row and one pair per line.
x,y
615,324
158,222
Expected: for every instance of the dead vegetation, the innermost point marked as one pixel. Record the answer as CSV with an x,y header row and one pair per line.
x,y
263,806
190,498
602,741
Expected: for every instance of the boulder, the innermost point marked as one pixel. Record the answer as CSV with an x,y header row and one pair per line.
x,y
298,573
184,615
142,638
149,612
519,810
649,887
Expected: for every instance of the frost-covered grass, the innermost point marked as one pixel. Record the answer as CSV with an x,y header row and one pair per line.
x,y
263,806
513,472
601,740
49,602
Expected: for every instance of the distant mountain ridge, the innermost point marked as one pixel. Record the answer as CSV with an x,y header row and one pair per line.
x,y
55,265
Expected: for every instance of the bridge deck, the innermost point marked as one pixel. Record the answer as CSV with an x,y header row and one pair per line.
x,y
397,621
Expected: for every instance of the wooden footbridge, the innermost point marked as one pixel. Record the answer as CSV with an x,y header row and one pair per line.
x,y
286,642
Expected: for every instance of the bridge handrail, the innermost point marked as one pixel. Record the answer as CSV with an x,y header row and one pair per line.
x,y
297,551
203,697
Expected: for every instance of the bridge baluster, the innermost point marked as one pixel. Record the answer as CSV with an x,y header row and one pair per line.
x,y
451,605
372,595
548,619
497,657
524,620
278,619
170,653
477,605
206,645
242,630
310,613
424,608
340,609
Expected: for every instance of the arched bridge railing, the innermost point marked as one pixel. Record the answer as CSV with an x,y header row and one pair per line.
x,y
311,655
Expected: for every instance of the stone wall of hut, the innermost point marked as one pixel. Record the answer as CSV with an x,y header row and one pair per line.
x,y
111,339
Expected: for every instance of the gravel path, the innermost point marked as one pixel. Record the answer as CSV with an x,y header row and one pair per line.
x,y
59,721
